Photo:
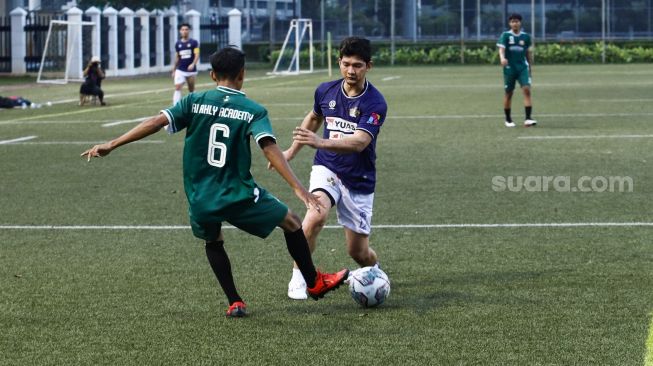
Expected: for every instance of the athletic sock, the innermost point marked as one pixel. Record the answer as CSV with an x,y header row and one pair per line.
x,y
297,275
219,261
176,97
528,112
299,251
507,112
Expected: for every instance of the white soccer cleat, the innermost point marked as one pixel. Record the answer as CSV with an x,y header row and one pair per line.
x,y
297,289
509,124
530,122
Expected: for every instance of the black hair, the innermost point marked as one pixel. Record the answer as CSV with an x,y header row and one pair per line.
x,y
185,25
515,16
356,46
228,62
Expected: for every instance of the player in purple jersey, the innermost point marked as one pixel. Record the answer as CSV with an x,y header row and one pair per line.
x,y
344,171
184,69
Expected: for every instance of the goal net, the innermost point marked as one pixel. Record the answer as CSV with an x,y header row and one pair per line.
x,y
296,55
68,48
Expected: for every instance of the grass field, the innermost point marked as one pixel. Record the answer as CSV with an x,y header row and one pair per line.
x,y
467,289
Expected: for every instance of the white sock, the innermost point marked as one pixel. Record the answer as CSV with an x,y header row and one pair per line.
x,y
297,275
176,97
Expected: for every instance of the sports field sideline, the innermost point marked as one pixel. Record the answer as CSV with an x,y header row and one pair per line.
x,y
98,265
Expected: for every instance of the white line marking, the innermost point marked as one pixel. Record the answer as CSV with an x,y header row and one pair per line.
x,y
388,78
116,123
17,140
299,118
126,94
571,115
414,226
615,100
81,142
571,137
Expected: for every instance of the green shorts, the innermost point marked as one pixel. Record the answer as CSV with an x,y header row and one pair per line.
x,y
511,75
257,218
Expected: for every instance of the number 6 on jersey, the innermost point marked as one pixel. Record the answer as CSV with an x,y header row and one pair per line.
x,y
214,145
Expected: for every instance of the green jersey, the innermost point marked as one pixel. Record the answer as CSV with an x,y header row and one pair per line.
x,y
217,156
516,46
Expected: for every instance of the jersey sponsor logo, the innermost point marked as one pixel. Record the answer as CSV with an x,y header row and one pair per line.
x,y
521,42
511,40
332,104
354,112
213,110
374,119
516,49
185,54
339,124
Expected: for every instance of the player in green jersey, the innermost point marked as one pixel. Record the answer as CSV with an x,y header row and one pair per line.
x,y
219,187
515,53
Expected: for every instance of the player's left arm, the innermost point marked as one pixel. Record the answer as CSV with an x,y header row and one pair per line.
x,y
280,164
529,59
144,129
196,59
351,144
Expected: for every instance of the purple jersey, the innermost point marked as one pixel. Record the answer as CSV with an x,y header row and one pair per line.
x,y
344,115
186,51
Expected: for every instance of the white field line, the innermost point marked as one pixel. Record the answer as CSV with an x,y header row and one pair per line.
x,y
299,118
161,90
80,142
89,110
410,226
643,100
391,78
5,142
572,137
116,123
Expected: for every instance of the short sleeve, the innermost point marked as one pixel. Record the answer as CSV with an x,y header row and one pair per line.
x,y
178,115
503,41
317,98
260,126
372,119
529,41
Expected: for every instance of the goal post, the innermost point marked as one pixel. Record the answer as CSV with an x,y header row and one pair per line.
x,y
68,46
296,55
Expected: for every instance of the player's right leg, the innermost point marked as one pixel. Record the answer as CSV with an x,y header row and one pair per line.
x,y
525,82
180,80
220,264
509,81
317,283
322,184
312,225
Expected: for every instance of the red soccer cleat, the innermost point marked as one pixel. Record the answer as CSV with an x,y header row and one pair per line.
x,y
325,282
237,310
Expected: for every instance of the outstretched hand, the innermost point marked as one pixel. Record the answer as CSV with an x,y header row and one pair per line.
x,y
309,199
304,136
97,151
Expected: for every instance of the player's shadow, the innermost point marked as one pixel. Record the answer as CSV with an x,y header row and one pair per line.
x,y
466,289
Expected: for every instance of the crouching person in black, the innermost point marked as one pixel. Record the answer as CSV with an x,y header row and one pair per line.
x,y
93,75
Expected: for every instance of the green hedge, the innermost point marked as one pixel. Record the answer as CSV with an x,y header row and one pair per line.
x,y
549,53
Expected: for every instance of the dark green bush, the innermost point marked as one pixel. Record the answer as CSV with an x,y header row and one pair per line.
x,y
549,53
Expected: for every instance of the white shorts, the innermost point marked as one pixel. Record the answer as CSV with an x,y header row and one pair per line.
x,y
180,76
354,209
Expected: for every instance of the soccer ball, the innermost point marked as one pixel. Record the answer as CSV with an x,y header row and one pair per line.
x,y
369,286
